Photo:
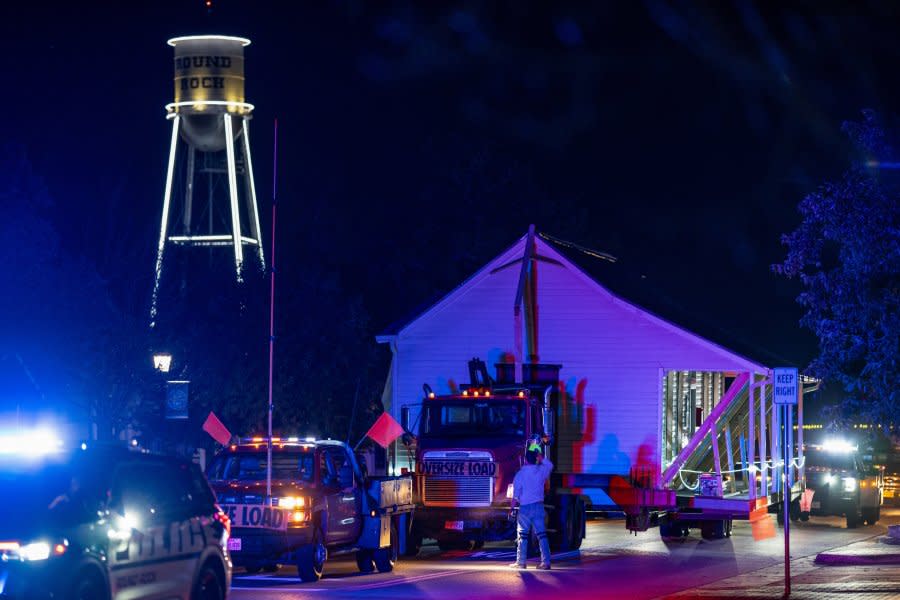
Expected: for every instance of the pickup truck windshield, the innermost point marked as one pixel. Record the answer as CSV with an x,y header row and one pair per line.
x,y
251,466
495,418
842,461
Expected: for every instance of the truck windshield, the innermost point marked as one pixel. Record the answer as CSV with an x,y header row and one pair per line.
x,y
842,461
251,466
474,418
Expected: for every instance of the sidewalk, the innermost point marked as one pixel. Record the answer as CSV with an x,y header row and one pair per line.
x,y
867,569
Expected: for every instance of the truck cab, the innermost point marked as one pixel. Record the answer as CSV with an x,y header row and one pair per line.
x,y
321,504
469,447
843,483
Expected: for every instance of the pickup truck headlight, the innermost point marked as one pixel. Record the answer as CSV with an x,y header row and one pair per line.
x,y
849,484
291,502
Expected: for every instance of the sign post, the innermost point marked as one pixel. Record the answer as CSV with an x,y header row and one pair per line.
x,y
785,386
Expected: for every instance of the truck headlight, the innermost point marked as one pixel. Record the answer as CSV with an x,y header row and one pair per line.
x,y
849,484
291,502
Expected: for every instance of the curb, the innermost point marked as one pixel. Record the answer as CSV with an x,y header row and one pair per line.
x,y
838,560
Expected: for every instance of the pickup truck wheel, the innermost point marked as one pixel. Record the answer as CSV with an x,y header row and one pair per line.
x,y
871,515
311,558
365,561
386,557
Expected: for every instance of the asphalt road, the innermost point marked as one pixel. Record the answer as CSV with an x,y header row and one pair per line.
x,y
611,564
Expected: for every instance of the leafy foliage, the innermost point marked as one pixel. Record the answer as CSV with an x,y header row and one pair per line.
x,y
846,252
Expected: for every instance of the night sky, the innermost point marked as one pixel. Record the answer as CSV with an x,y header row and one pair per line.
x,y
419,139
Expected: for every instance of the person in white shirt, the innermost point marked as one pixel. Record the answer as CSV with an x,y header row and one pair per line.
x,y
528,493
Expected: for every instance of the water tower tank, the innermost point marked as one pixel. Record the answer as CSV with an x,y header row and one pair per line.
x,y
209,81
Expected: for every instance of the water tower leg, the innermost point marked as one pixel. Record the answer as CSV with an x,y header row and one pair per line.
x,y
232,192
251,193
167,200
189,191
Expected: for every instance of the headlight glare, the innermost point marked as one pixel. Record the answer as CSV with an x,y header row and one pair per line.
x,y
35,551
291,502
849,484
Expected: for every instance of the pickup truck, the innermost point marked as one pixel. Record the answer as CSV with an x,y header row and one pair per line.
x,y
843,484
322,504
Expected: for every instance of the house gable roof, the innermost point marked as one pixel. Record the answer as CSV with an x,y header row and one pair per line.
x,y
598,268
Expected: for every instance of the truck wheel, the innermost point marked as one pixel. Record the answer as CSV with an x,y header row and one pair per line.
x,y
413,541
871,515
311,558
852,520
562,520
365,561
579,521
386,557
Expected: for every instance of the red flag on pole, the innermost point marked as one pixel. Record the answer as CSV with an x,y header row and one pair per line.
x,y
214,427
385,430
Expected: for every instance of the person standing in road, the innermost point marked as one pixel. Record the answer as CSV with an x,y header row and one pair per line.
x,y
528,494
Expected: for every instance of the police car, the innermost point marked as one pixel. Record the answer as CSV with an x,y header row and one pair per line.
x,y
109,523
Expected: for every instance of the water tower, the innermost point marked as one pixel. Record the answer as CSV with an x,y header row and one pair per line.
x,y
210,197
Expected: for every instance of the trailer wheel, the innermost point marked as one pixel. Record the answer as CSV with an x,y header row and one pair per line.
x,y
713,530
386,557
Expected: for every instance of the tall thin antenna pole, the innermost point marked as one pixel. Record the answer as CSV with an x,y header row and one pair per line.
x,y
272,314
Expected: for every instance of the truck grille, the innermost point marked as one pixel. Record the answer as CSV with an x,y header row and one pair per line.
x,y
443,490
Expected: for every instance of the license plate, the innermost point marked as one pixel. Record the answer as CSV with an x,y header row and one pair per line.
x,y
234,544
454,525
816,504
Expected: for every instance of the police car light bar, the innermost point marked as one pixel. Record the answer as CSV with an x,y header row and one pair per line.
x,y
30,443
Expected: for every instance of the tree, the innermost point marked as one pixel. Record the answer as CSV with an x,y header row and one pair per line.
x,y
846,253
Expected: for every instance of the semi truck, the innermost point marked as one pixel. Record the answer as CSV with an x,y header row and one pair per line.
x,y
469,445
323,504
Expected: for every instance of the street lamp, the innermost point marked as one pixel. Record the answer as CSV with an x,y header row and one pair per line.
x,y
162,361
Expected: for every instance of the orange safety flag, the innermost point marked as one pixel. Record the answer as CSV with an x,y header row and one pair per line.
x,y
385,430
806,500
215,428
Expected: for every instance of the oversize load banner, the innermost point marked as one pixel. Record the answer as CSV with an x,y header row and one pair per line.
x,y
256,515
459,468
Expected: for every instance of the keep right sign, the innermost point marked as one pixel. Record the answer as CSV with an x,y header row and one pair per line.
x,y
785,385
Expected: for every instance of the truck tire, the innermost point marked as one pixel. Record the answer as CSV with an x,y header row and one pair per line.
x,y
413,541
562,520
311,558
853,519
386,557
871,515
365,561
580,520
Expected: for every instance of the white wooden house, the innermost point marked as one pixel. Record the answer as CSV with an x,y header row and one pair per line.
x,y
635,385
